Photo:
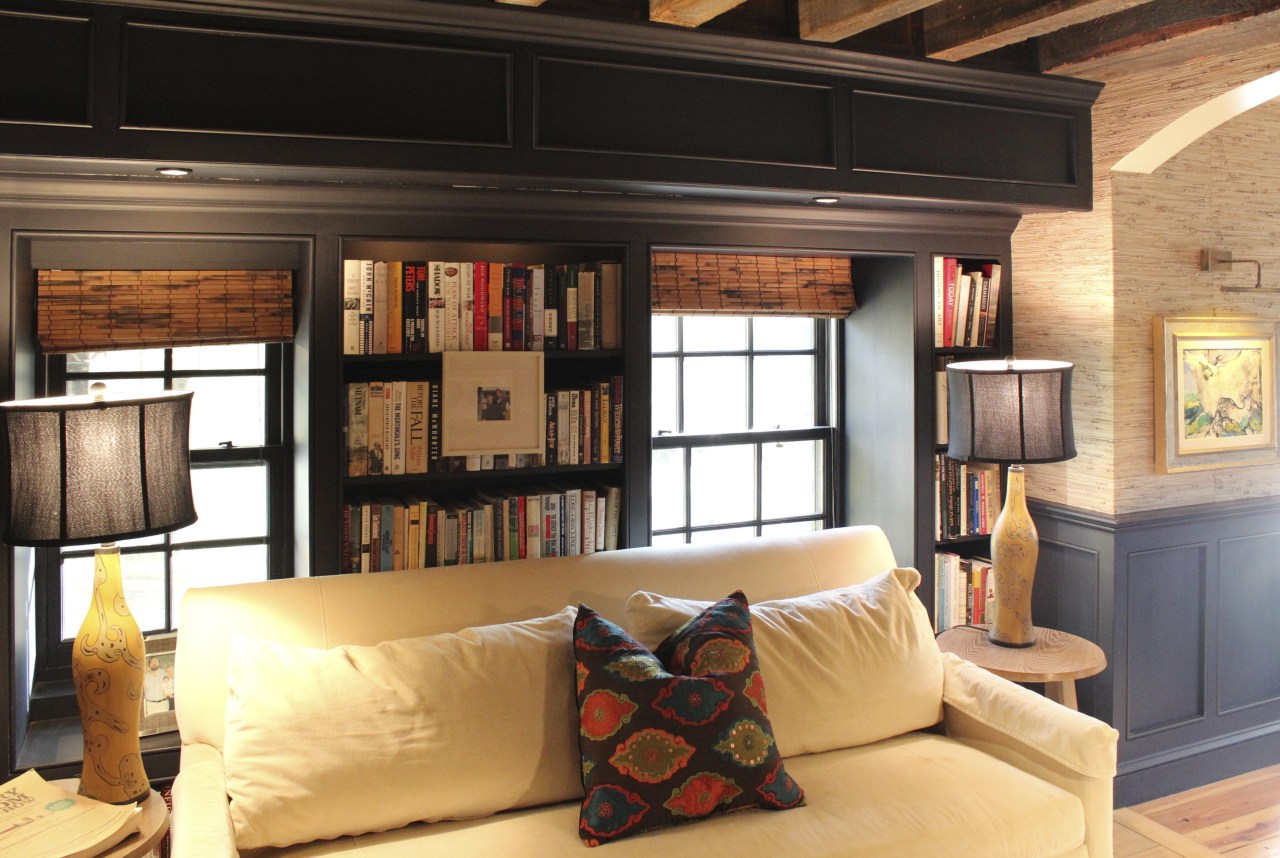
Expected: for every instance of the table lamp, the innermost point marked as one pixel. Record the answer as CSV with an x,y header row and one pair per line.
x,y
86,469
1012,412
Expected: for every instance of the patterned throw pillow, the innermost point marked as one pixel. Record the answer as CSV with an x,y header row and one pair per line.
x,y
677,735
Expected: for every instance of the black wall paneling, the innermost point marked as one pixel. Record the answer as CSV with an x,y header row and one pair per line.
x,y
188,79
445,95
627,109
45,68
1183,601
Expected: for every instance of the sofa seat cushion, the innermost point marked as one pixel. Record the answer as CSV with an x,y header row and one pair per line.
x,y
920,795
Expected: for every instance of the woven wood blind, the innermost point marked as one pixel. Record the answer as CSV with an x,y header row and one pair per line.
x,y
760,285
81,310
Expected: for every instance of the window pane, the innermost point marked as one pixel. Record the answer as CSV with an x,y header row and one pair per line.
x,y
778,333
783,393
124,360
725,534
715,394
723,484
226,409
231,503
666,413
143,577
212,567
666,334
239,356
788,527
116,386
791,478
668,539
714,333
667,483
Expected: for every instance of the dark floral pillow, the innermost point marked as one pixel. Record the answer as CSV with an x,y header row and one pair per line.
x,y
675,736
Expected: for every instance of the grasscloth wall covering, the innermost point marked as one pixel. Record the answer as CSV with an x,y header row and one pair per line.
x,y
1089,284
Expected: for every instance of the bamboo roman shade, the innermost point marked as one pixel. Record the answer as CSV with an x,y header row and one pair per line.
x,y
96,310
752,284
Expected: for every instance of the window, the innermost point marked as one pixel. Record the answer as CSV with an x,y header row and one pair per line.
x,y
238,477
743,437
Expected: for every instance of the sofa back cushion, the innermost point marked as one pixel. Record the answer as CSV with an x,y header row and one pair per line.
x,y
843,667
324,743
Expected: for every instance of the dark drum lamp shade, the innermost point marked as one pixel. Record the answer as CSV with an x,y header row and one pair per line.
x,y
87,471
1012,412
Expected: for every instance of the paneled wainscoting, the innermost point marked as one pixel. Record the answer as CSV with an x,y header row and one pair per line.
x,y
1184,603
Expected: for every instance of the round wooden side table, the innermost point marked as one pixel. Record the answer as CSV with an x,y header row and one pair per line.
x,y
153,822
1057,659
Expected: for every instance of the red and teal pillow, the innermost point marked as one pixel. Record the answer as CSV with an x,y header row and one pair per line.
x,y
674,735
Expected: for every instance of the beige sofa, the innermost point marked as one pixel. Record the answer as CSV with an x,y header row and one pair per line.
x,y
983,767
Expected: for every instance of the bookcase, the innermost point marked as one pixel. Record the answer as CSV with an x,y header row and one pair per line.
x,y
405,303
969,307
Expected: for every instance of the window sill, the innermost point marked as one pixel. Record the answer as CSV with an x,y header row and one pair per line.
x,y
55,747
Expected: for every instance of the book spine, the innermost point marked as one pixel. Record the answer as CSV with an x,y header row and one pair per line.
x,y
599,440
575,427
497,293
615,409
357,429
551,438
570,308
366,538
939,301
375,418
380,300
351,306
388,426
588,521
366,306
993,272
550,316
611,305
519,298
387,538
395,308
507,300
452,306
949,301
399,433
409,307
480,336
467,302
436,307
573,526
550,524
613,515
345,555
534,308
415,461
587,309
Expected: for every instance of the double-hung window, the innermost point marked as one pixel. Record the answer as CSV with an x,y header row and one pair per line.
x,y
743,429
238,475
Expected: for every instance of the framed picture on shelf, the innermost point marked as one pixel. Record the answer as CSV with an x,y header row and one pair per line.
x,y
1215,392
158,715
492,402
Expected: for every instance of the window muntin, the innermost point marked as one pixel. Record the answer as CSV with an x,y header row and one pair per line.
x,y
238,482
743,439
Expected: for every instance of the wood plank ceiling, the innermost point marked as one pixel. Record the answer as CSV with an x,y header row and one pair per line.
x,y
1020,35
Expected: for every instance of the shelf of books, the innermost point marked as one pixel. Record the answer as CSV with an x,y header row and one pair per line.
x,y
408,505
967,496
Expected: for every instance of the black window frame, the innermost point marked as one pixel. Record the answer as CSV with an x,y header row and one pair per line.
x,y
53,653
827,380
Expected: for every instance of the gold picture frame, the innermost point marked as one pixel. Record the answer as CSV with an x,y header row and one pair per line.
x,y
1216,389
492,402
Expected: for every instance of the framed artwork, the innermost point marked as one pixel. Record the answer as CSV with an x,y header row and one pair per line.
x,y
492,402
158,715
1215,392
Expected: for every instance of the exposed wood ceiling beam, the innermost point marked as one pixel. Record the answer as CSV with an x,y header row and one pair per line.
x,y
688,13
1145,26
958,29
833,20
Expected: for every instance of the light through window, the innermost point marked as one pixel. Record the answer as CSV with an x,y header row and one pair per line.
x,y
237,476
742,428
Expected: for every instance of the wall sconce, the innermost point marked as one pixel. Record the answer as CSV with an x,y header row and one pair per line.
x,y
1218,259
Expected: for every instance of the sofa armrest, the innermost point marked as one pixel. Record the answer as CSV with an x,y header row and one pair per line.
x,y
201,814
1067,748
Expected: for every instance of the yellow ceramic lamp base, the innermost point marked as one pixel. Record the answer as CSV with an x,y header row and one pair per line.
x,y
107,668
1015,548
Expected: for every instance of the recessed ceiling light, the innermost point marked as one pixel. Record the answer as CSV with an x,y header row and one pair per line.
x,y
173,171
826,201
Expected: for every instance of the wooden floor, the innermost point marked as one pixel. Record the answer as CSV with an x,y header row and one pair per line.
x,y
1239,817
